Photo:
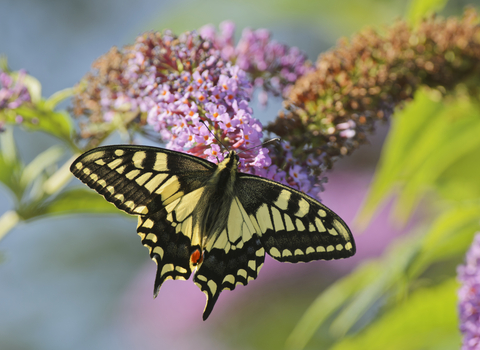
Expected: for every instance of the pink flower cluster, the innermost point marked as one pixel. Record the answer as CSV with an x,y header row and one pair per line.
x,y
274,67
190,93
13,93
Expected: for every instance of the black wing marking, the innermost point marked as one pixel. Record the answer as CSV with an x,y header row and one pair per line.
x,y
292,226
234,257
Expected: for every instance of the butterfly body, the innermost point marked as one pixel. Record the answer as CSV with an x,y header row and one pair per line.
x,y
194,214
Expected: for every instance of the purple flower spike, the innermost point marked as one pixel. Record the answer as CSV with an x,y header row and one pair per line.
x,y
272,66
469,297
13,93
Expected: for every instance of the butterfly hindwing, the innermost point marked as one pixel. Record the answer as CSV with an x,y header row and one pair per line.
x,y
292,226
170,250
234,257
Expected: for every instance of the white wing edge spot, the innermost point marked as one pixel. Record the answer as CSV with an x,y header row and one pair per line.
x,y
152,237
159,251
242,272
275,253
167,268
286,253
260,252
229,279
322,213
148,223
298,252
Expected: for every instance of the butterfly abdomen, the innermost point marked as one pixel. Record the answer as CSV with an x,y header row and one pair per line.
x,y
214,206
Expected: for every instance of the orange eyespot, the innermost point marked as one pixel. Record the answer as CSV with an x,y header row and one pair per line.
x,y
196,257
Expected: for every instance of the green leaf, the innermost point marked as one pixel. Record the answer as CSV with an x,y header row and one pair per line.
x,y
450,235
405,148
419,9
426,320
58,97
391,270
8,221
457,137
79,200
427,142
329,302
40,118
352,296
40,163
10,166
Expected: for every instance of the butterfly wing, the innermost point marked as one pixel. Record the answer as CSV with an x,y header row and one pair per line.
x,y
160,186
292,226
234,257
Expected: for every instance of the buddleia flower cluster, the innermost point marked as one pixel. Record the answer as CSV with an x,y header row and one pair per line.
x,y
190,94
13,93
272,66
331,111
469,297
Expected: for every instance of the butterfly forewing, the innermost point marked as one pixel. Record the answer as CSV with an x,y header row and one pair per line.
x,y
132,176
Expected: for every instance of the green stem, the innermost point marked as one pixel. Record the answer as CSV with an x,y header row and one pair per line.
x,y
60,179
8,221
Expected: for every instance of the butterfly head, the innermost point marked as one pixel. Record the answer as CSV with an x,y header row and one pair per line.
x,y
233,156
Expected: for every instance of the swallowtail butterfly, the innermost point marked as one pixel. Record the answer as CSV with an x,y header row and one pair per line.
x,y
194,214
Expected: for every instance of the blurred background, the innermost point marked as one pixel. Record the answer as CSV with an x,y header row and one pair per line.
x,y
86,282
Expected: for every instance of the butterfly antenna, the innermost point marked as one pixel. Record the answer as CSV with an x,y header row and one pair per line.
x,y
213,134
276,139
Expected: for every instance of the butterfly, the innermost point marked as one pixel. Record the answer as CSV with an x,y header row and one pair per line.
x,y
196,215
